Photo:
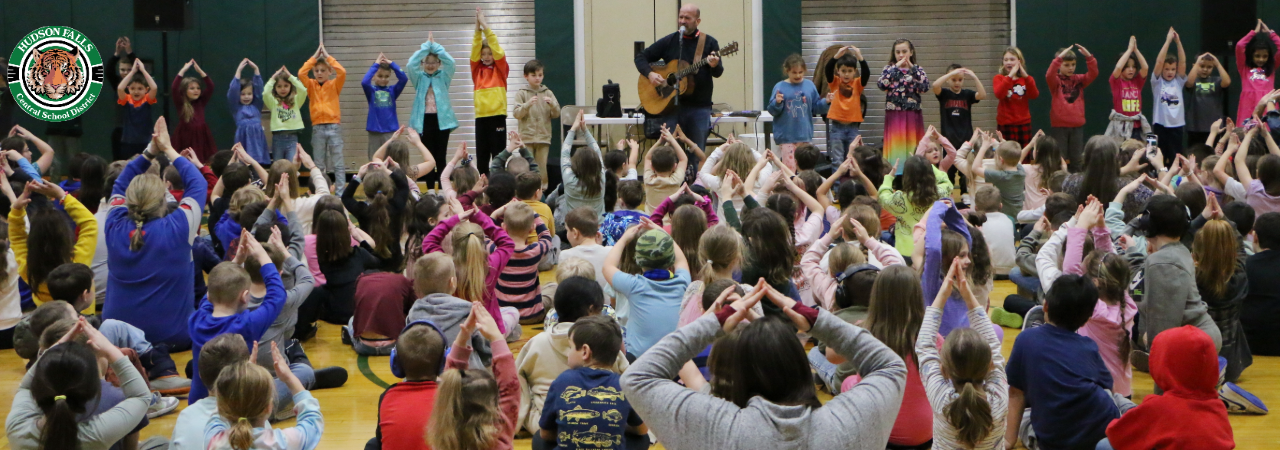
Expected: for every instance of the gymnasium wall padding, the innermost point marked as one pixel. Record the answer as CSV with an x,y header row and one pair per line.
x,y
553,31
781,35
271,33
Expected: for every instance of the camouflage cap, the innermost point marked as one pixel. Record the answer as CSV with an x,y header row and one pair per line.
x,y
655,250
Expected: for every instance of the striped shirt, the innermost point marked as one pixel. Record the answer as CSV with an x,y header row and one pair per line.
x,y
518,283
942,392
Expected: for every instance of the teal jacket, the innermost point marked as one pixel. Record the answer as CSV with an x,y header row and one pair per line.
x,y
438,82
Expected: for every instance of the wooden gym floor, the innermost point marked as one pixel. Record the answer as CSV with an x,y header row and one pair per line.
x,y
351,412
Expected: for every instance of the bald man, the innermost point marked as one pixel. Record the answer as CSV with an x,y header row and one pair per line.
x,y
694,113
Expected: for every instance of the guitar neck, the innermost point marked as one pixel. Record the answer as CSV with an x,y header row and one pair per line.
x,y
692,68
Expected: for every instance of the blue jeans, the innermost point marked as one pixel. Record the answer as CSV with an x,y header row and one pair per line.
x,y
305,374
839,137
695,121
825,369
284,145
326,150
1031,283
123,335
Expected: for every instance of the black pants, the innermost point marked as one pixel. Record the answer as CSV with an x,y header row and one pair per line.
x,y
1170,141
157,362
437,142
6,338
491,139
924,446
329,303
1018,304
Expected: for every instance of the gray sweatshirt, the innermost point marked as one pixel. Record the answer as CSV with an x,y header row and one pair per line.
x,y
299,283
860,418
448,313
1170,298
100,432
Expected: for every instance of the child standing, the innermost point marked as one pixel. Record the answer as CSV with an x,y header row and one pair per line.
x,y
137,93
323,86
794,102
956,104
1066,89
1126,81
381,96
845,100
593,358
1204,101
1014,87
489,74
536,105
285,105
1256,62
191,95
431,69
1167,90
903,82
245,99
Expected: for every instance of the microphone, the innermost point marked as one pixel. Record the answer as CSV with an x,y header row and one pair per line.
x,y
682,29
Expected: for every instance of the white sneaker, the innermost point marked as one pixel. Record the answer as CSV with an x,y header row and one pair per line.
x,y
161,406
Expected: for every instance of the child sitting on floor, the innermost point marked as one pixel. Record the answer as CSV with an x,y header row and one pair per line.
x,y
591,384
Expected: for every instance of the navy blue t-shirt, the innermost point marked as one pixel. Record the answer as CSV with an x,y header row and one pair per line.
x,y
1065,383
585,408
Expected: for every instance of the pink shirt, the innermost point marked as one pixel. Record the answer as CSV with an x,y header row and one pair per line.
x,y
1032,197
1108,327
1126,95
1254,81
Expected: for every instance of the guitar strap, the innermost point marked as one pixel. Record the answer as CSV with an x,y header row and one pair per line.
x,y
697,51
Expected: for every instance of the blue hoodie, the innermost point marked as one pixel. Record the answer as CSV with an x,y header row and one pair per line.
x,y
382,100
248,323
793,118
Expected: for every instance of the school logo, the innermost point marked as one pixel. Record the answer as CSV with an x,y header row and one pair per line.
x,y
55,73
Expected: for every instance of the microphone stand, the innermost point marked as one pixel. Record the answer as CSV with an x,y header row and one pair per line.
x,y
679,57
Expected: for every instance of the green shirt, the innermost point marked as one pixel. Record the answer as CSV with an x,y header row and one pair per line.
x,y
285,118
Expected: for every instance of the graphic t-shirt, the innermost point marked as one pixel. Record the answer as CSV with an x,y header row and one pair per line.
x,y
1204,103
586,408
1169,100
957,114
1126,95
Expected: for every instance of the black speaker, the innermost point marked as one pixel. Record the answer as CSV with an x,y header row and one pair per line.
x,y
162,15
639,47
1222,23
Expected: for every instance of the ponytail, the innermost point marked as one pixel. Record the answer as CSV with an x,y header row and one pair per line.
x,y
145,201
66,378
379,189
471,259
970,414
966,358
244,397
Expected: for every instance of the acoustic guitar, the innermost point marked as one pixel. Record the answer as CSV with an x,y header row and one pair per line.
x,y
659,99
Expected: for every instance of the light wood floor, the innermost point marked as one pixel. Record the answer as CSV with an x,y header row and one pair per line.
x,y
351,411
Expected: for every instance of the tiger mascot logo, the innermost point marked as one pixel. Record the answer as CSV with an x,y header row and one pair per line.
x,y
54,73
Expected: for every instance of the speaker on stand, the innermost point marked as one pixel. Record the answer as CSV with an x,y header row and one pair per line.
x,y
163,16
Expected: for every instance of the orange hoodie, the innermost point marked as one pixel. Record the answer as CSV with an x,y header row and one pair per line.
x,y
490,81
324,97
1189,414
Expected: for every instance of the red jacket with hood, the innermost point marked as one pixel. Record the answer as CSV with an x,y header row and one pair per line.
x,y
1189,415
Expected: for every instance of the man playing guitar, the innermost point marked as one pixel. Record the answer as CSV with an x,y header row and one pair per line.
x,y
694,111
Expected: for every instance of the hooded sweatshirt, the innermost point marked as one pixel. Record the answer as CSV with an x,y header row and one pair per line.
x,y
535,119
448,313
1189,415
541,360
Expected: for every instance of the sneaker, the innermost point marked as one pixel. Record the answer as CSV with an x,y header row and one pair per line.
x,y
1139,360
1240,401
294,354
330,377
161,406
346,335
284,414
1035,318
1222,370
966,199
172,386
1005,318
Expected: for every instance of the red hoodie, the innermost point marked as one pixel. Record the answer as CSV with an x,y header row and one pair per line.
x,y
1067,93
1189,415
